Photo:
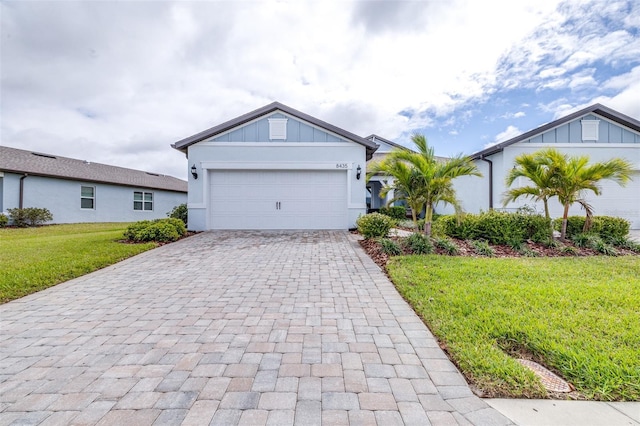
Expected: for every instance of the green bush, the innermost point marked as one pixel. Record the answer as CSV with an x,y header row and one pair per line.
x,y
395,212
607,227
419,244
482,248
30,216
3,220
446,245
159,230
180,212
374,225
625,243
390,247
570,250
495,227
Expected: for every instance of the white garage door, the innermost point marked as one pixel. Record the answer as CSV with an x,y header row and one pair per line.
x,y
277,199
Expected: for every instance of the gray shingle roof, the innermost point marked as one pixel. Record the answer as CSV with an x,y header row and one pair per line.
x,y
183,144
20,161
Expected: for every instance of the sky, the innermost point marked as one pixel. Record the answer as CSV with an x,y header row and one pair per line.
x,y
117,82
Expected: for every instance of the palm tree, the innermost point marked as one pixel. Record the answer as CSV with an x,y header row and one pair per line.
x,y
406,184
541,176
431,179
575,176
554,174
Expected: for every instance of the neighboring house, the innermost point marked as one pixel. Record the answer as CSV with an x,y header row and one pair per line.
x,y
77,191
276,168
596,131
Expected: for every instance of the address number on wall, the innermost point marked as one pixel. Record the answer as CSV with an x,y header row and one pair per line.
x,y
342,165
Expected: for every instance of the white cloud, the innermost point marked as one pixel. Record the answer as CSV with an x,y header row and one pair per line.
x,y
511,115
509,133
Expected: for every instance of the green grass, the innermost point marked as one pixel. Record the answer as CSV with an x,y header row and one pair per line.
x,y
32,259
578,316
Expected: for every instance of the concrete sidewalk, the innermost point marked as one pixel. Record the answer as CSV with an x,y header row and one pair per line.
x,y
545,412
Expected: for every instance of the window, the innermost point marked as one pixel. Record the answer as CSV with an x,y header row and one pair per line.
x,y
278,128
142,200
87,197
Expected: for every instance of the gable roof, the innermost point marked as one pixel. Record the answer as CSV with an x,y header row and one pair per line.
x,y
373,138
13,160
599,109
183,144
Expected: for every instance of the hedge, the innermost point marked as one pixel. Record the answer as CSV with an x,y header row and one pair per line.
x,y
495,227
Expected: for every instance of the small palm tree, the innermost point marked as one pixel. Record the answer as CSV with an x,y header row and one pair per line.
x,y
431,178
554,174
406,184
541,176
575,176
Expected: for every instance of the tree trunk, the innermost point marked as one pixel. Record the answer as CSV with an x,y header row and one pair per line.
x,y
548,217
413,215
565,219
428,215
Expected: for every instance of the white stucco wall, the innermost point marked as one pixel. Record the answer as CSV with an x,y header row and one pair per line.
x,y
113,203
213,155
614,201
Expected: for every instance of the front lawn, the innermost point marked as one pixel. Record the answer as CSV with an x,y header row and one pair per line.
x,y
32,259
577,316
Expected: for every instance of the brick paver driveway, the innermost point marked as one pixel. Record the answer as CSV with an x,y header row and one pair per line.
x,y
230,328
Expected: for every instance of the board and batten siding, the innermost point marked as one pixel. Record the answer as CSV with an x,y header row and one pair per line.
x,y
608,132
258,131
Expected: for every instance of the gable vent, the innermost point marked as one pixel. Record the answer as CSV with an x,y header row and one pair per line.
x,y
278,128
590,130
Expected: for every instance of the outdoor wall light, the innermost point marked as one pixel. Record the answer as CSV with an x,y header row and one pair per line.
x,y
194,171
358,172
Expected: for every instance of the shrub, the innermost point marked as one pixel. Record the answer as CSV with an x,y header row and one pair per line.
x,y
374,225
605,248
447,245
30,216
395,212
527,252
496,227
3,220
569,250
405,223
390,247
419,244
610,228
482,248
180,212
464,227
626,244
607,227
159,230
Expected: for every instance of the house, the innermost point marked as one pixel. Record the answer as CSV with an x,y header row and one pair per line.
x,y
596,131
77,191
276,168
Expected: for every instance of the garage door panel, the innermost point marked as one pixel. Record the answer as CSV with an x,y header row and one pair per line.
x,y
307,199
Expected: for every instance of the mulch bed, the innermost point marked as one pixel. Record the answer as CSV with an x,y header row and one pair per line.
x,y
374,250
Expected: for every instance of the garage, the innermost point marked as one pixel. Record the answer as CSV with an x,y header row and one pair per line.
x,y
278,199
276,168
